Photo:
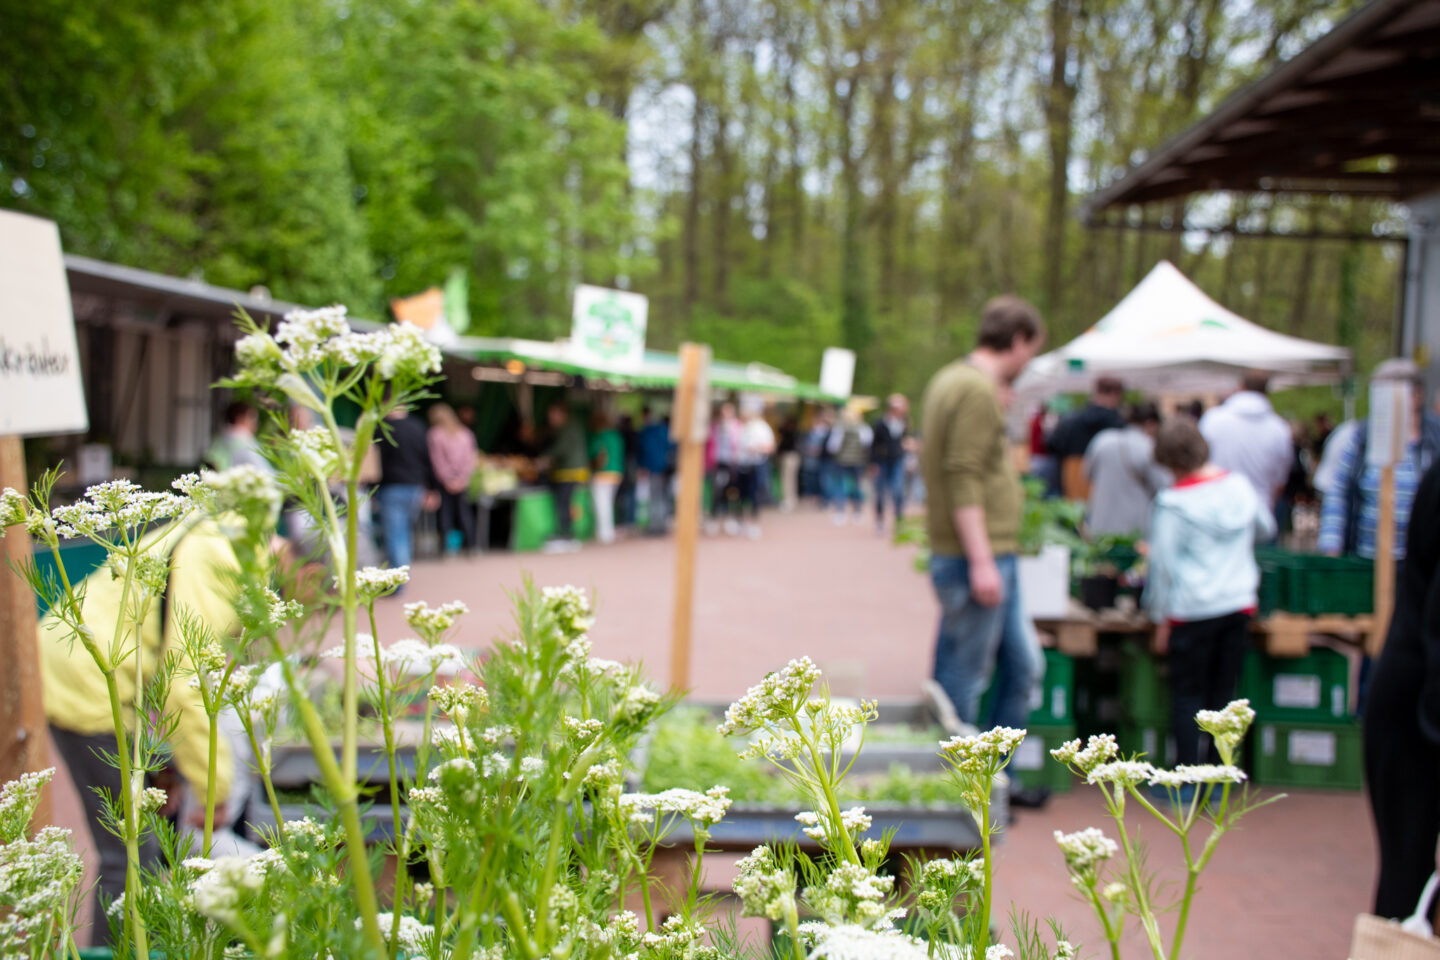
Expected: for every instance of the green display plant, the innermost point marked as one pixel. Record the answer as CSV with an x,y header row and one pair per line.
x,y
516,837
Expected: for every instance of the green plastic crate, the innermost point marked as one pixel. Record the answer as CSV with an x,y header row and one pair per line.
x,y
1057,704
1150,737
1143,689
535,518
1320,755
1314,688
1032,765
1315,585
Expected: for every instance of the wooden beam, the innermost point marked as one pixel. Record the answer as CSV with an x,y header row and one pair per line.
x,y
23,741
689,422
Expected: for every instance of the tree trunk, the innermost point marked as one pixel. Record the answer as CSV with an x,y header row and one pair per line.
x,y
1059,105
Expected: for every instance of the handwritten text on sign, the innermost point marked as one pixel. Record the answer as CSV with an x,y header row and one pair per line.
x,y
40,387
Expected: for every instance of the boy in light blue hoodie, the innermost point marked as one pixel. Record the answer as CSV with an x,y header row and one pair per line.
x,y
1201,591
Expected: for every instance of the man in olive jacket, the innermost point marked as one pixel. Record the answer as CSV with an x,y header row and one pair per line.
x,y
973,514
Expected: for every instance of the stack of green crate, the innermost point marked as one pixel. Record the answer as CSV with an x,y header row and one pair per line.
x,y
1314,585
1144,697
1304,734
1049,725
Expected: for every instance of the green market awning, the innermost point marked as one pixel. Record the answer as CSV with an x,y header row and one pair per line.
x,y
658,370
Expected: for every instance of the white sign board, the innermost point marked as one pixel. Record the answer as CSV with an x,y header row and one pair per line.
x,y
41,392
1389,422
609,325
837,372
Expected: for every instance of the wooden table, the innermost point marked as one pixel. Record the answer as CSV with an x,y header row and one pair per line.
x,y
1288,634
1078,634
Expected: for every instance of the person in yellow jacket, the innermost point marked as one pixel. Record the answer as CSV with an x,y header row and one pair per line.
x,y
77,704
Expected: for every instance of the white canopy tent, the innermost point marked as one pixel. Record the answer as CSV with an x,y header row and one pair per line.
x,y
1167,336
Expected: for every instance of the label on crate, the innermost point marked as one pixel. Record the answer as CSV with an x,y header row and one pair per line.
x,y
1338,700
1030,755
1057,703
1312,748
1297,691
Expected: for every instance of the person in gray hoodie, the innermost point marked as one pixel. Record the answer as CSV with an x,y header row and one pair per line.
x,y
1203,582
1246,436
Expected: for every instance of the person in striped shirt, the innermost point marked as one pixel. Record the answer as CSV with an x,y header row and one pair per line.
x,y
1350,508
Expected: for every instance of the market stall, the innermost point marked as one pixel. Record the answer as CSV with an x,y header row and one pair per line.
x,y
1167,336
516,511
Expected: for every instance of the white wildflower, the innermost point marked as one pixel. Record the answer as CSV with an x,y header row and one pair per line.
x,y
983,752
571,609
851,894
372,582
1085,851
153,799
1123,773
316,449
1227,727
531,768
412,935
432,622
1065,950
1100,749
13,507
764,889
781,693
408,353
705,809
221,891
304,333
855,821
851,942
1202,773
1114,891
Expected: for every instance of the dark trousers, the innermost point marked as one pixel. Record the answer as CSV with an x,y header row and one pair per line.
x,y
564,495
456,513
1205,661
1402,772
90,772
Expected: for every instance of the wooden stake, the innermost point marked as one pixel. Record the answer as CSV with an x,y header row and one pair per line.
x,y
23,741
689,424
1384,563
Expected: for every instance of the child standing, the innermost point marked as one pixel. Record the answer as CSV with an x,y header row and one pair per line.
x,y
1203,577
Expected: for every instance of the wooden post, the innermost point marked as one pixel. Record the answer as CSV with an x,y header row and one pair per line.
x,y
689,424
1384,563
23,741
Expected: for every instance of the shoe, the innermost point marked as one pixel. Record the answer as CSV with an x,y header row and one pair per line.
x,y
555,546
839,519
711,528
752,530
732,528
1030,798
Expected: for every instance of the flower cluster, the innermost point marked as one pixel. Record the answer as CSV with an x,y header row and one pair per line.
x,y
459,701
433,622
701,809
851,894
372,582
1122,773
1100,749
1227,727
780,694
313,338
13,508
113,505
570,607
17,803
413,935
39,877
855,821
942,880
245,490
765,888
851,942
411,655
1085,851
316,449
222,889
1201,773
153,800
983,752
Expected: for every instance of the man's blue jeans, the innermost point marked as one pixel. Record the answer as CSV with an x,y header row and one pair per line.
x,y
400,505
973,638
890,485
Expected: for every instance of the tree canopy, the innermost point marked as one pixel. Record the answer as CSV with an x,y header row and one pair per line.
x,y
777,175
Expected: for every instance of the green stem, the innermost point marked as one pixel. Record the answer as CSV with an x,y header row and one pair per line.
x,y
263,766
1137,886
132,833
211,758
695,871
1111,936
986,885
344,792
827,790
397,829
792,923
